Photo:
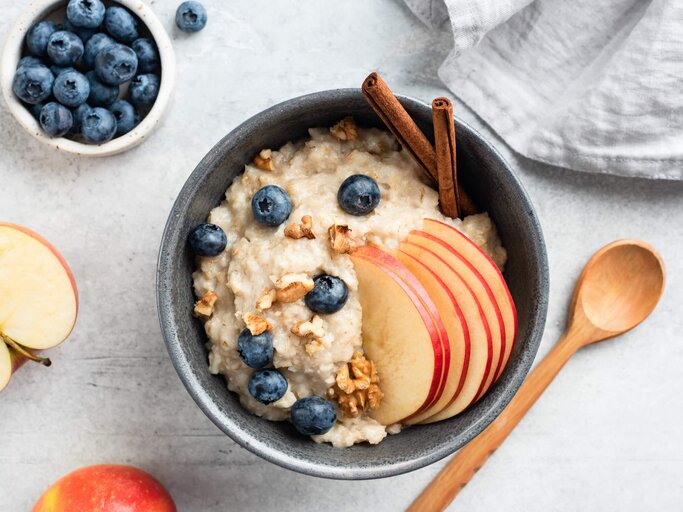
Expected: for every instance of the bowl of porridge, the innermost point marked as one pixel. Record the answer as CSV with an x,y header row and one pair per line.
x,y
322,311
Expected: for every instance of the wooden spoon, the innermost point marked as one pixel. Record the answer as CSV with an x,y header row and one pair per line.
x,y
617,290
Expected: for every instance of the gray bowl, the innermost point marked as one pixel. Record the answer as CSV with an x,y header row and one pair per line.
x,y
486,176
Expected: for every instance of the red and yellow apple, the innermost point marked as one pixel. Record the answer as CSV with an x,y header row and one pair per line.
x,y
106,488
402,333
38,298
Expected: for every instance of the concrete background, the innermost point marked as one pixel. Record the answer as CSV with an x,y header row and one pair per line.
x,y
606,436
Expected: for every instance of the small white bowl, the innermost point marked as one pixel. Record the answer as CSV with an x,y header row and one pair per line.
x,y
38,10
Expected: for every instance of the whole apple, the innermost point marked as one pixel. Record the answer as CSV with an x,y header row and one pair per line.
x,y
106,488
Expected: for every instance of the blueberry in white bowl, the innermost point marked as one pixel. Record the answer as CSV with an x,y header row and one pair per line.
x,y
78,115
126,116
101,94
98,125
38,36
116,64
56,119
30,61
33,84
148,55
64,48
95,44
144,89
83,33
121,24
85,13
71,88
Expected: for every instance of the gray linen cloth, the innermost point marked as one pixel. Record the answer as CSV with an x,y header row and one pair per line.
x,y
592,85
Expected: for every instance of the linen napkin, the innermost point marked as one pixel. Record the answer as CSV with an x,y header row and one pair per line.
x,y
591,85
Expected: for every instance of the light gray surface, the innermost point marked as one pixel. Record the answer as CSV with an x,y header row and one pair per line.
x,y
606,436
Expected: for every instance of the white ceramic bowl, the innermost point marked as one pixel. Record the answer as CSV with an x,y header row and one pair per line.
x,y
40,9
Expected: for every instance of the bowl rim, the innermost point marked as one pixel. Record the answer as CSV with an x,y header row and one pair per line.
x,y
244,438
11,54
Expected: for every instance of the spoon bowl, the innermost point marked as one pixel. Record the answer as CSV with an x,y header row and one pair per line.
x,y
619,287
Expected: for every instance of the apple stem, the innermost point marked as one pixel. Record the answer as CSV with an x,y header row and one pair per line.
x,y
21,350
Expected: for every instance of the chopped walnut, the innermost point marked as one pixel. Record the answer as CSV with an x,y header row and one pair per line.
x,y
204,307
341,240
291,287
256,324
345,129
312,328
357,386
266,300
305,229
264,160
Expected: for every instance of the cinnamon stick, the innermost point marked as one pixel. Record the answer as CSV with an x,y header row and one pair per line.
x,y
446,170
399,122
408,134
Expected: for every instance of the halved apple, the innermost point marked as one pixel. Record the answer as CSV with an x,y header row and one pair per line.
x,y
481,344
38,295
402,334
461,244
456,326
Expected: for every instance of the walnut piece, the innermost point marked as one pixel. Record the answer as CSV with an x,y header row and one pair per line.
x,y
203,308
266,300
305,229
264,160
256,324
291,287
313,328
357,387
341,240
345,129
314,346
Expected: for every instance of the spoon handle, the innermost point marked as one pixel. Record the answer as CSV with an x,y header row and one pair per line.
x,y
455,475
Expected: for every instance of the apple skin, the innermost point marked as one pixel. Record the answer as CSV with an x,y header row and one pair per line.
x,y
106,488
57,254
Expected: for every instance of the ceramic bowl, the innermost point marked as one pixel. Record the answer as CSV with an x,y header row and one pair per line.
x,y
38,10
491,182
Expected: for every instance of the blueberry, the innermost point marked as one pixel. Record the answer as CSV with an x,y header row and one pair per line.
x,y
101,95
271,205
71,88
33,84
85,13
116,64
144,89
35,110
55,119
255,351
79,113
84,33
29,61
267,386
148,55
358,195
190,16
64,48
98,125
38,36
207,240
97,43
58,70
121,25
313,415
329,294
126,116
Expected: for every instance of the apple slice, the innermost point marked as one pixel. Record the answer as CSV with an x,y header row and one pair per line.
x,y
481,349
481,291
465,247
401,337
38,295
456,327
5,365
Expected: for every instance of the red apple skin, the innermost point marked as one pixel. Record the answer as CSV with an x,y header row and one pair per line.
x,y
106,488
54,251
